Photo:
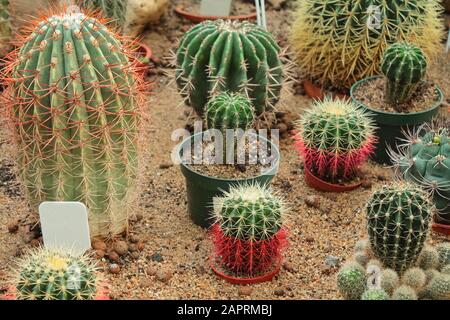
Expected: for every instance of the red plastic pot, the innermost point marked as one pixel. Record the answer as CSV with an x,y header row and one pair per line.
x,y
317,93
243,281
142,51
441,228
194,17
321,185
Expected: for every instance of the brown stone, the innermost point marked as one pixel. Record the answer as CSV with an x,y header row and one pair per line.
x,y
121,247
13,226
114,268
164,275
113,256
98,245
245,290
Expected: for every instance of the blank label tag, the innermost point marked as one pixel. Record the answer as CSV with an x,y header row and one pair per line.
x,y
65,226
220,8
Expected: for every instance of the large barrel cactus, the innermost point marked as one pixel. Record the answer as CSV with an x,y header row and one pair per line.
x,y
5,27
217,56
338,42
398,218
424,159
75,103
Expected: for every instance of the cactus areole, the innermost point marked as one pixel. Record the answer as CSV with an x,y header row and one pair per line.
x,y
74,100
217,56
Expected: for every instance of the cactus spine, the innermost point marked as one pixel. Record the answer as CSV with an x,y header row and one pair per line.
x,y
55,275
398,218
404,66
334,138
428,258
217,56
248,233
341,42
74,99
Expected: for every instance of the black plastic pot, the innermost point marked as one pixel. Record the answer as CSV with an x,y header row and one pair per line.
x,y
392,125
202,189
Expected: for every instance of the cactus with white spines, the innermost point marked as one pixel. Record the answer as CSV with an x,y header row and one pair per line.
x,y
389,280
414,278
398,219
444,253
45,274
352,281
248,233
404,292
428,258
334,138
439,287
375,294
233,56
75,103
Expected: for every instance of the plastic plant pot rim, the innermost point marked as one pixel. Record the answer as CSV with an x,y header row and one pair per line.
x,y
271,171
357,84
316,93
322,185
441,228
194,17
243,281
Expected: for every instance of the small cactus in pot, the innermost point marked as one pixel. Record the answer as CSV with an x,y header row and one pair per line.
x,y
398,219
334,138
404,66
248,233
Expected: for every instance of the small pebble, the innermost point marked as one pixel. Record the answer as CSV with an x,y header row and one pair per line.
x,y
245,291
151,271
289,266
13,226
164,275
366,184
165,165
134,238
332,261
312,201
279,292
157,257
121,247
113,256
114,268
133,247
310,239
99,254
98,245
145,283
135,255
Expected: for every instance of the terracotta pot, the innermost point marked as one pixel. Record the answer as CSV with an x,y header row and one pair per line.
x,y
441,228
195,17
143,51
321,185
243,281
317,93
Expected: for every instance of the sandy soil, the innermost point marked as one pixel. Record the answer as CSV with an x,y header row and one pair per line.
x,y
174,261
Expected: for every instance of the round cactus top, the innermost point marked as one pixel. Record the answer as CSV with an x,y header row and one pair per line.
x,y
233,25
249,212
404,62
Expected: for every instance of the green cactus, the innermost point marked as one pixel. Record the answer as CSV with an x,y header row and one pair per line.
x,y
352,281
75,101
5,26
375,294
424,158
334,138
444,253
111,9
414,278
404,66
229,111
389,280
55,275
340,42
428,258
217,56
404,293
398,218
439,287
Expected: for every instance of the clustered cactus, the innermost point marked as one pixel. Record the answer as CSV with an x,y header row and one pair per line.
x,y
334,138
424,159
398,219
55,275
404,66
5,26
341,42
217,56
75,102
248,233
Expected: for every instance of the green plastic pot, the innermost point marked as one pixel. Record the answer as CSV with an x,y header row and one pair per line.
x,y
202,189
391,126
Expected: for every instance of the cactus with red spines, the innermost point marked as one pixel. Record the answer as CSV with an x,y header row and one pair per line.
x,y
334,138
248,234
75,102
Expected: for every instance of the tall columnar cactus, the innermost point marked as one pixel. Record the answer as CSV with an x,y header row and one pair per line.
x,y
424,159
55,275
75,103
340,42
217,56
111,9
229,111
5,27
404,66
398,218
248,233
334,138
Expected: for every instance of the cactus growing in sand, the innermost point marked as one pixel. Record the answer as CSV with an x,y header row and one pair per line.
x,y
404,66
398,219
341,42
424,158
404,293
55,275
334,138
75,104
352,281
217,56
375,294
248,233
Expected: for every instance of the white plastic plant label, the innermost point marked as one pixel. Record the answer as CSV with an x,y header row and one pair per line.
x,y
65,226
220,8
